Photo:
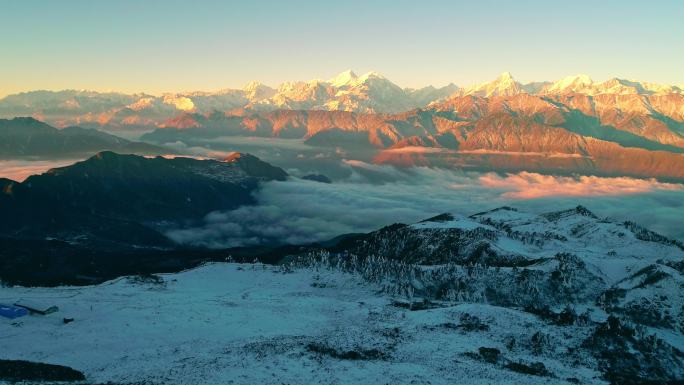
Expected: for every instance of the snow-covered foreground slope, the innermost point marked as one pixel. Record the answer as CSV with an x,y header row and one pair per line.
x,y
499,297
255,324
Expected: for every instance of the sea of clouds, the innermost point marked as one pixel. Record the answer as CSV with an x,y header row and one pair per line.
x,y
301,211
365,197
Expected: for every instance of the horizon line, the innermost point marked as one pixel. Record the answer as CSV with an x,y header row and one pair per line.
x,y
278,85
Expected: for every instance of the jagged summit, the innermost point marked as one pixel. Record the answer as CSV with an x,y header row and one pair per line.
x,y
576,83
343,78
505,76
503,85
349,79
372,74
254,84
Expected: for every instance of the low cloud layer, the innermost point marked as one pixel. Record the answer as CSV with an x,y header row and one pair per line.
x,y
18,170
301,211
527,185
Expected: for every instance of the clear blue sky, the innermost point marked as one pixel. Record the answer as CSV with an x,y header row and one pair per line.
x,y
155,46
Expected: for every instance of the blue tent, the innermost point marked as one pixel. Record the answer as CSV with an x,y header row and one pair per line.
x,y
12,312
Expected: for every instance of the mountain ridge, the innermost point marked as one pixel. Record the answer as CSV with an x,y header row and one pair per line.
x,y
347,91
26,137
116,199
609,134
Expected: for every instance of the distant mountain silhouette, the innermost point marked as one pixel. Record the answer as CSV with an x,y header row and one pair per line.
x,y
115,200
28,137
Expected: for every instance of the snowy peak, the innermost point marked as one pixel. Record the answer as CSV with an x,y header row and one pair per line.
x,y
181,103
347,91
620,86
255,91
505,77
371,75
369,79
343,79
504,85
254,84
349,79
583,84
576,83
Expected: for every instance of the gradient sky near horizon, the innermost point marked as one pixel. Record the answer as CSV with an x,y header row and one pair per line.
x,y
157,46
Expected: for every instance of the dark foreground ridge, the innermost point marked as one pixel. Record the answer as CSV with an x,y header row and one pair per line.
x,y
112,200
101,217
22,371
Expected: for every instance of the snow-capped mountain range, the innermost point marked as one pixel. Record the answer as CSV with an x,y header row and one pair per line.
x,y
506,85
574,125
605,134
368,93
